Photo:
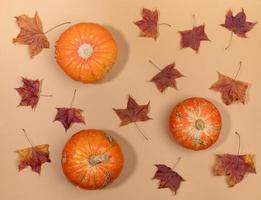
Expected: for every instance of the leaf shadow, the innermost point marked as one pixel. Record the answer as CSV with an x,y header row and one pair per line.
x,y
130,160
122,57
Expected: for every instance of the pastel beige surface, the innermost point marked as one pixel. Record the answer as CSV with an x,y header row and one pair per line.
x,y
130,75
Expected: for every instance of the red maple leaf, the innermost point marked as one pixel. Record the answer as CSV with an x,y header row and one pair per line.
x,y
29,92
166,77
34,157
168,178
68,116
149,23
235,167
133,113
231,89
192,38
238,24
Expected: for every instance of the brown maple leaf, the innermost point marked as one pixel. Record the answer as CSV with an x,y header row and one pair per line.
x,y
238,24
31,34
168,178
166,77
68,116
231,89
29,92
133,113
192,38
235,167
34,157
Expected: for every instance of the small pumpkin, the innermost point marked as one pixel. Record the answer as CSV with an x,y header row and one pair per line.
x,y
195,123
86,51
92,159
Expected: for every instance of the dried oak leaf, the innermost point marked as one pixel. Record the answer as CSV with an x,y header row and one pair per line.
x,y
29,92
192,38
149,23
238,24
231,90
31,34
235,167
68,116
167,78
133,113
168,178
34,157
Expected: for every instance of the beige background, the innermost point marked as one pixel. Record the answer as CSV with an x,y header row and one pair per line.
x,y
130,75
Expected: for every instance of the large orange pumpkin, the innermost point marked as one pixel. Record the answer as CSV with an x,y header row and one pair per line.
x,y
195,123
86,51
91,159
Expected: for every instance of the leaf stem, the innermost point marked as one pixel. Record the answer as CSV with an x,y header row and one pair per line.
x,y
194,20
239,68
46,95
74,94
230,41
165,24
27,138
156,66
238,150
177,162
141,131
56,27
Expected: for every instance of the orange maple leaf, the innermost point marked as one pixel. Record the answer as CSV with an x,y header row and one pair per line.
x,y
31,34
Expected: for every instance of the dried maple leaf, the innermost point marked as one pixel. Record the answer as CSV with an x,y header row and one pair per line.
x,y
34,157
231,90
166,77
29,92
31,34
133,113
192,38
68,116
238,24
149,23
168,178
235,167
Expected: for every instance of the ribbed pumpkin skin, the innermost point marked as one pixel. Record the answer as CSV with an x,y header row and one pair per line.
x,y
195,123
93,67
77,155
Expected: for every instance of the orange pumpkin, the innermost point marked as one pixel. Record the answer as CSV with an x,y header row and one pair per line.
x,y
86,51
91,159
195,123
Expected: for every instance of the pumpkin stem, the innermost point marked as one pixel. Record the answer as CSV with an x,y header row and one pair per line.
x,y
56,27
74,94
27,138
199,124
156,66
239,68
141,131
177,162
238,150
97,159
230,41
166,24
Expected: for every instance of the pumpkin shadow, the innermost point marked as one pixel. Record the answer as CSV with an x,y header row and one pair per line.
x,y
122,58
225,129
166,111
130,160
